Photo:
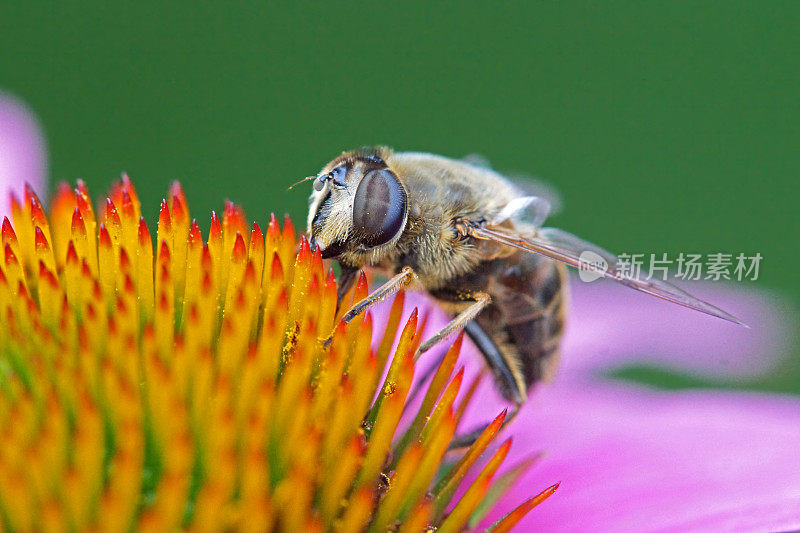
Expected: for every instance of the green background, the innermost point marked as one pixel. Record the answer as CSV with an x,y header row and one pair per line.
x,y
667,127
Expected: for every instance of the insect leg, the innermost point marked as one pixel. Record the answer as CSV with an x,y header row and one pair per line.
x,y
392,286
384,291
506,372
508,377
480,300
346,279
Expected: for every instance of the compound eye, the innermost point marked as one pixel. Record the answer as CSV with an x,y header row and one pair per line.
x,y
379,208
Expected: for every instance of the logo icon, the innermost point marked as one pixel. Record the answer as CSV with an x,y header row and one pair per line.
x,y
591,266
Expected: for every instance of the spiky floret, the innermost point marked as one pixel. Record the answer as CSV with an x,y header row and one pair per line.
x,y
184,384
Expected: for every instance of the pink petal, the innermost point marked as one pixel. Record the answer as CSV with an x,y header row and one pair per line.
x,y
22,151
633,459
611,326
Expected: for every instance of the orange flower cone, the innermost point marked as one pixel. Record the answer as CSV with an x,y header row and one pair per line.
x,y
183,384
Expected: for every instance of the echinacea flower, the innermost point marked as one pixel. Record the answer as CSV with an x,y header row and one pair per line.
x,y
636,458
22,150
187,384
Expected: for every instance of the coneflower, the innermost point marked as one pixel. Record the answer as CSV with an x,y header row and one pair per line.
x,y
185,385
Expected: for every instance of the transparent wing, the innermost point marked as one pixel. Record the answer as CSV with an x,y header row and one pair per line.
x,y
533,186
477,160
573,251
531,209
529,185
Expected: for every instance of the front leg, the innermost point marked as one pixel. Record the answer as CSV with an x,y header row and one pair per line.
x,y
395,284
346,279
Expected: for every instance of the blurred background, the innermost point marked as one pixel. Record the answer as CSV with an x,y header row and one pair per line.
x,y
667,127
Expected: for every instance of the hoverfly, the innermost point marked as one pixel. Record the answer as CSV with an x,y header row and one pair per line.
x,y
457,230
